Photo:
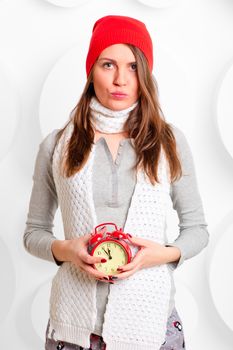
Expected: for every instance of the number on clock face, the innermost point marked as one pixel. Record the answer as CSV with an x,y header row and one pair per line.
x,y
115,255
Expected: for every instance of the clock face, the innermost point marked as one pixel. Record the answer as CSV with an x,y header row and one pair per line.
x,y
114,253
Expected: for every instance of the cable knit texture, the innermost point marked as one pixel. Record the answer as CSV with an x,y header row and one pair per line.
x,y
137,308
107,120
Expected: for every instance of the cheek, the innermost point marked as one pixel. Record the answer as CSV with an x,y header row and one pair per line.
x,y
98,88
100,82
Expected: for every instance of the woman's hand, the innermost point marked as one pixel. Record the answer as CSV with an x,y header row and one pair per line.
x,y
149,254
75,251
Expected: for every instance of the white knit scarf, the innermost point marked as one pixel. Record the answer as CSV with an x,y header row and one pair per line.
x,y
137,308
106,120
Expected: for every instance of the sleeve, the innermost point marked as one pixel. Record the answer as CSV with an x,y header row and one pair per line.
x,y
186,200
38,235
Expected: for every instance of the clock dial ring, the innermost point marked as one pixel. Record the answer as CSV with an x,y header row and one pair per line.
x,y
116,252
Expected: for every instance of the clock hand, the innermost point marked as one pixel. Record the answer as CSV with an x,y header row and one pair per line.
x,y
109,252
106,252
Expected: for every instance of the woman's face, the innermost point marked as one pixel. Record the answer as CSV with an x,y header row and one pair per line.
x,y
115,71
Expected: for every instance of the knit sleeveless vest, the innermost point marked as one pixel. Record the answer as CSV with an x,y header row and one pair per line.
x,y
137,308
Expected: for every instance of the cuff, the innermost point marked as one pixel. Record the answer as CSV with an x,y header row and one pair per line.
x,y
52,257
174,264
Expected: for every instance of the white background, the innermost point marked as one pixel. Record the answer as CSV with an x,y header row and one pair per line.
x,y
42,72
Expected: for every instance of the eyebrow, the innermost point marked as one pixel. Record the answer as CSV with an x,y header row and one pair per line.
x,y
111,59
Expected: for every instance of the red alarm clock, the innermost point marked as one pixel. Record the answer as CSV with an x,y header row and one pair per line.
x,y
112,246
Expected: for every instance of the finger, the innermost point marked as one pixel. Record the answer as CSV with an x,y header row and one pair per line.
x,y
90,269
127,267
95,273
126,274
134,263
89,259
139,241
86,238
104,281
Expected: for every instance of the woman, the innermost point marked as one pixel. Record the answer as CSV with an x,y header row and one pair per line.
x,y
116,160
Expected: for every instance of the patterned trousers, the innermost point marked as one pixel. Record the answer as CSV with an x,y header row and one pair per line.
x,y
174,339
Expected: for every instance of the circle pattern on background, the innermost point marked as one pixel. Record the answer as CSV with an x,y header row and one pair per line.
x,y
176,91
67,3
9,110
220,276
62,89
8,281
40,309
225,110
187,308
65,82
159,3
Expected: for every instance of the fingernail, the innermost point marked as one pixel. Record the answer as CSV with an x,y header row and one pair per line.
x,y
113,277
103,260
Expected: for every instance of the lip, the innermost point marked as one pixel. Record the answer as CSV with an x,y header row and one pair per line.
x,y
118,94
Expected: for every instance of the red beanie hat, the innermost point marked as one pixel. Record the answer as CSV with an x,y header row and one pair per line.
x,y
110,30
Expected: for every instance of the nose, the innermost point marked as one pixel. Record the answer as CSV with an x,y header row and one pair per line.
x,y
120,77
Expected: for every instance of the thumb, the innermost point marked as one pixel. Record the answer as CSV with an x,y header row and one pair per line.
x,y
86,238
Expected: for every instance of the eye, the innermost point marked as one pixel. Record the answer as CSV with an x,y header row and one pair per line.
x,y
106,64
134,66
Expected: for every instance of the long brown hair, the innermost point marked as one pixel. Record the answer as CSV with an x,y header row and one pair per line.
x,y
146,125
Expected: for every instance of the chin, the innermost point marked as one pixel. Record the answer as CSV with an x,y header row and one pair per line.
x,y
119,105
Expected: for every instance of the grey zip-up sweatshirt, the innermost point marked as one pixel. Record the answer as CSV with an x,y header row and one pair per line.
x,y
113,186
